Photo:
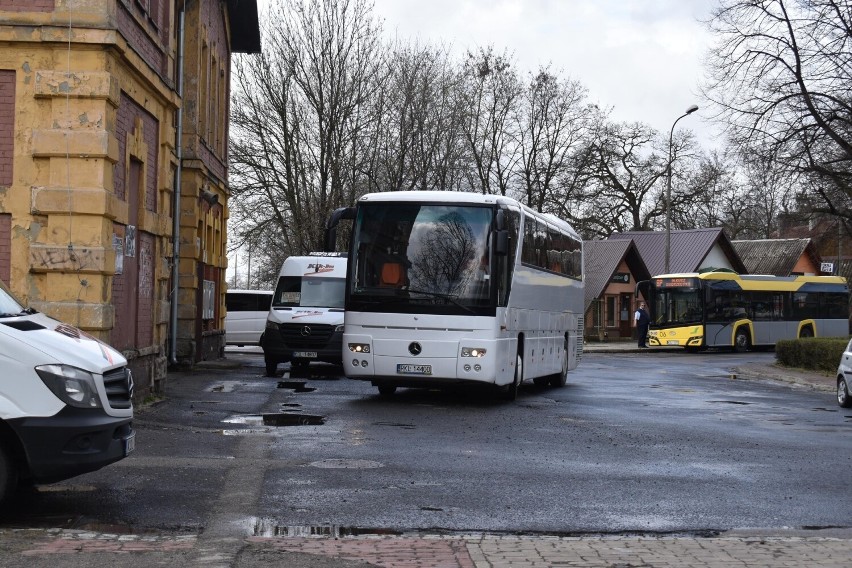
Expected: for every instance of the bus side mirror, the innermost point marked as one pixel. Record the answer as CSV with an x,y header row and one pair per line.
x,y
500,220
501,242
330,238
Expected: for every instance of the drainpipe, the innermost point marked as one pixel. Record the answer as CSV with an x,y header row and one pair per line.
x,y
173,318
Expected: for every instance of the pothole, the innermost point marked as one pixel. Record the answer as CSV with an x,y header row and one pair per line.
x,y
277,419
297,386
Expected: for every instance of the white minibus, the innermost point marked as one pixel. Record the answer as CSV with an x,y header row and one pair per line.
x,y
305,320
449,287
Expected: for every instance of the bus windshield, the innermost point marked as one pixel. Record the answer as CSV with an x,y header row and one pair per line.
x,y
307,291
676,301
411,257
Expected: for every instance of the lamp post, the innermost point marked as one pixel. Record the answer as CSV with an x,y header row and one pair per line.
x,y
689,111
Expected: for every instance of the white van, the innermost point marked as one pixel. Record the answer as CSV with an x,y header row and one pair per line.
x,y
305,321
245,317
65,399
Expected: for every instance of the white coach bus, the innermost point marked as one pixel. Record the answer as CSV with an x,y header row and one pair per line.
x,y
448,287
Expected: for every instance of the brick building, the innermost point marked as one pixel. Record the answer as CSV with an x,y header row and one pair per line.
x,y
98,141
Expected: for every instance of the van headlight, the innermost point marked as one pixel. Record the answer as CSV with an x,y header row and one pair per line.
x,y
71,385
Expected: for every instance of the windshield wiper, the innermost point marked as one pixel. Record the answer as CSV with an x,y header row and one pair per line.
x,y
447,297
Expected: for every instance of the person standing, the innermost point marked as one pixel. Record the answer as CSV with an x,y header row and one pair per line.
x,y
641,319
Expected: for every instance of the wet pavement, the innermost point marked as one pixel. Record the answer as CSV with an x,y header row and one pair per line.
x,y
335,547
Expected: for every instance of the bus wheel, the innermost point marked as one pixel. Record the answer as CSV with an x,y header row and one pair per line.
x,y
387,390
741,342
271,367
511,392
843,398
8,475
806,332
559,379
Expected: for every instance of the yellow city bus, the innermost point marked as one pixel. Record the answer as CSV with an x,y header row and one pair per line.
x,y
725,309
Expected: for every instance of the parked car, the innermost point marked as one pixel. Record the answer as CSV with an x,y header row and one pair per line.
x,y
844,377
245,318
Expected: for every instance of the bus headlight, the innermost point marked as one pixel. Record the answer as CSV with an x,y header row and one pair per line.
x,y
472,352
359,347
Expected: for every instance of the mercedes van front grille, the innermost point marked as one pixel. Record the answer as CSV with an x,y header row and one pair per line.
x,y
118,385
305,335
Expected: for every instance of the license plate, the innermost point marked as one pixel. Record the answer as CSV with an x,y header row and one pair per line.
x,y
129,444
407,369
305,354
672,342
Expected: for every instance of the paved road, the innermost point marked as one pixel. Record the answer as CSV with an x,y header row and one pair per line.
x,y
194,496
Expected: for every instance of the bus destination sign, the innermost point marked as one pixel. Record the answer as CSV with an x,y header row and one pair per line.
x,y
675,283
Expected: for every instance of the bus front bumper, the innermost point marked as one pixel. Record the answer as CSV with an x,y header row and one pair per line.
x,y
676,337
440,362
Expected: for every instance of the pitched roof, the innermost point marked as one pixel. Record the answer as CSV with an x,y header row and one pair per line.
x,y
773,256
600,261
689,248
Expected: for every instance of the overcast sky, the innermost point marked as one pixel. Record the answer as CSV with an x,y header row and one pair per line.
x,y
642,58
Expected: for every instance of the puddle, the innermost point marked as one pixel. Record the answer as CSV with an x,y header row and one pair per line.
x,y
269,528
297,386
346,464
739,402
395,424
277,419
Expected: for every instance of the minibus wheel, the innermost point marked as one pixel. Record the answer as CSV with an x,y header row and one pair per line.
x,y
8,475
271,367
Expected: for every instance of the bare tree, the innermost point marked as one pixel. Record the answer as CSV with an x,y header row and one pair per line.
x,y
490,91
626,168
298,111
781,77
553,123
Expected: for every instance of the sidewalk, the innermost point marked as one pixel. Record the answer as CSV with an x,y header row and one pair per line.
x,y
79,549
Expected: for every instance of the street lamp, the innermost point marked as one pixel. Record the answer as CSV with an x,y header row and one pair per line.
x,y
689,111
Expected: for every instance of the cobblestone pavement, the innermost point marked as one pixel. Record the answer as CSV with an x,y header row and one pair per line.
x,y
58,548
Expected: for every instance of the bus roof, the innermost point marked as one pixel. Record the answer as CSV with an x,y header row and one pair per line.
x,y
759,280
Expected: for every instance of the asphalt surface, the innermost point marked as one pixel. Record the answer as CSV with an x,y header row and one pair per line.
x,y
217,546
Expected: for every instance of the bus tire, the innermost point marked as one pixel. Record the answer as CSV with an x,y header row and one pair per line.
x,y
271,367
386,390
8,476
806,332
511,391
741,341
843,398
561,378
